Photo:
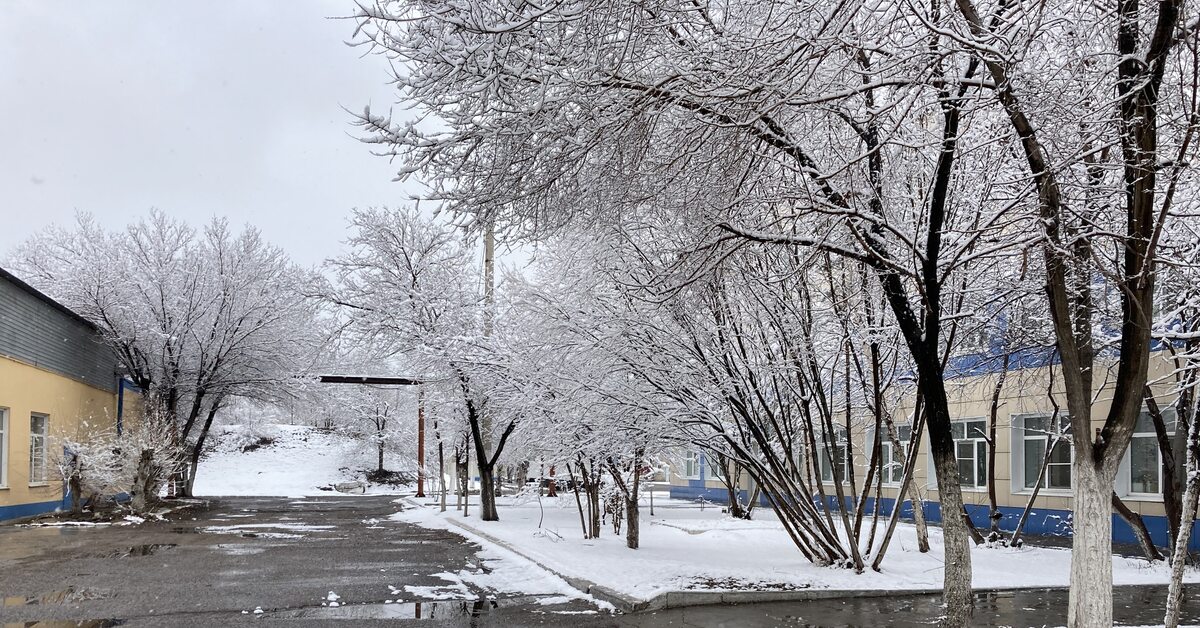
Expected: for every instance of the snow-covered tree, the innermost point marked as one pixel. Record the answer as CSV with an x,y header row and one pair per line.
x,y
929,143
196,317
409,289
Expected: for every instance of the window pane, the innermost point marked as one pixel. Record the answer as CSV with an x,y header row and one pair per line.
x,y
1145,423
1061,453
966,462
37,424
1035,450
965,469
905,433
1143,465
980,463
1035,425
956,430
885,459
975,429
826,468
3,447
1059,475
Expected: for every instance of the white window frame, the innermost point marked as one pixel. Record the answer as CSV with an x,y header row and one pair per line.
x,y
691,459
893,461
841,441
1152,435
1021,438
39,477
980,483
4,457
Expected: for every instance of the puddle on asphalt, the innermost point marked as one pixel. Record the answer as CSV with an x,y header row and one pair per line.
x,y
241,550
63,596
60,623
140,550
441,609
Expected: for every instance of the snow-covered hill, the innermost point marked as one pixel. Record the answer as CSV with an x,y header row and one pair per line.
x,y
286,460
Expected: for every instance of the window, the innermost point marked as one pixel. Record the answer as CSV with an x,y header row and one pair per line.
x,y
970,448
1145,466
893,458
39,425
713,468
838,448
691,465
3,447
1037,434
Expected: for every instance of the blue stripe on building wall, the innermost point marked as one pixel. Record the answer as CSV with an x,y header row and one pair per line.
x,y
29,510
1041,521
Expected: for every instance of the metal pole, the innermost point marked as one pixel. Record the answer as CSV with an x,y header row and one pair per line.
x,y
420,442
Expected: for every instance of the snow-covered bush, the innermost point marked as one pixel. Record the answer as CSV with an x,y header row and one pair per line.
x,y
97,462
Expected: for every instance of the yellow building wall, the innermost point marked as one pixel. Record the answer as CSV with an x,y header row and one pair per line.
x,y
1024,393
25,390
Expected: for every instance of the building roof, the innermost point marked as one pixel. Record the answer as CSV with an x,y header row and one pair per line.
x,y
16,281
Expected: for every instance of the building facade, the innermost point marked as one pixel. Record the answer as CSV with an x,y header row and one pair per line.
x,y
56,375
1032,451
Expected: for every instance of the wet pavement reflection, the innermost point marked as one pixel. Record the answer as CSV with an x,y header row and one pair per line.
x,y
274,560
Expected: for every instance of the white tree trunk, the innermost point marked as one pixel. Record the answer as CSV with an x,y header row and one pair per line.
x,y
1091,600
1191,494
957,594
1179,555
918,501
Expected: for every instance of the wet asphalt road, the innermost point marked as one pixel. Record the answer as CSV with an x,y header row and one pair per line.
x,y
214,565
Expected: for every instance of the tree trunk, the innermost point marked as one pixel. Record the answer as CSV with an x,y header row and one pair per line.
x,y
194,465
140,495
75,487
379,463
442,474
1171,490
459,488
1091,602
1191,495
487,493
1135,522
466,480
918,506
632,538
956,585
994,515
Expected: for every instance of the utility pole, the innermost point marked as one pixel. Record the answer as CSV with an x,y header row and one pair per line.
x,y
489,300
421,441
489,278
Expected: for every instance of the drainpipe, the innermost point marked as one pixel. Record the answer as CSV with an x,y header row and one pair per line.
x,y
120,405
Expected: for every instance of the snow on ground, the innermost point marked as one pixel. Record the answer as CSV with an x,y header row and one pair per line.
x,y
294,463
501,569
686,548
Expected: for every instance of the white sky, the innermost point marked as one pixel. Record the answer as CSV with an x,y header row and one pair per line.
x,y
199,109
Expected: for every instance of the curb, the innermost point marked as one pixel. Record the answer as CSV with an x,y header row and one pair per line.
x,y
622,602
680,599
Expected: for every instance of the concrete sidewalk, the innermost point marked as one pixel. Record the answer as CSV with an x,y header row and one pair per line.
x,y
693,598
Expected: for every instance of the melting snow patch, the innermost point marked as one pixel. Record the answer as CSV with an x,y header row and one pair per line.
x,y
297,527
454,590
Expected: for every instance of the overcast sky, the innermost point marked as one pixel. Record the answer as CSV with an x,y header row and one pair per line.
x,y
198,108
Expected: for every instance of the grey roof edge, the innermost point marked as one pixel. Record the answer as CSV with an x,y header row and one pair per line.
x,y
17,281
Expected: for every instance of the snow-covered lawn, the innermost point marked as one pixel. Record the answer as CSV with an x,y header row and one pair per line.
x,y
295,463
686,548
